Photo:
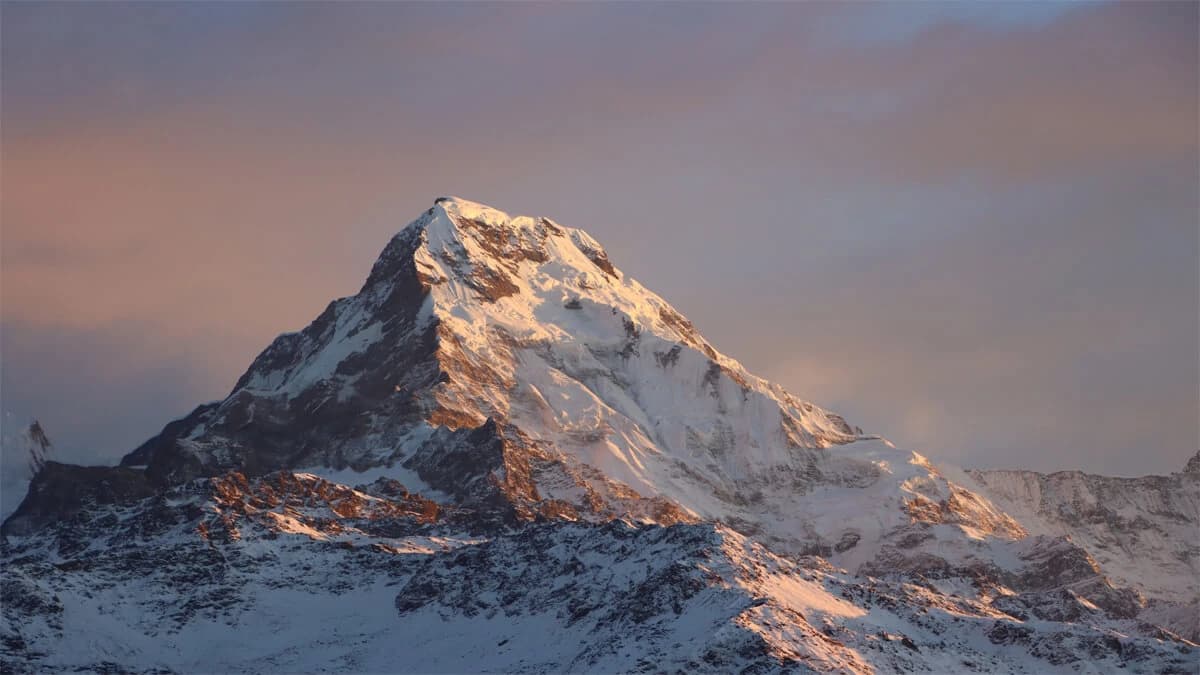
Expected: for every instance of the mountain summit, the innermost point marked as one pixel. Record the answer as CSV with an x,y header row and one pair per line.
x,y
520,335
517,445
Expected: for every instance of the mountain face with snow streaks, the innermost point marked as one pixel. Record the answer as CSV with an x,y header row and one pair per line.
x,y
510,438
1143,532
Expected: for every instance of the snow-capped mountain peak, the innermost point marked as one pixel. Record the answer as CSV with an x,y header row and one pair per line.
x,y
500,405
472,315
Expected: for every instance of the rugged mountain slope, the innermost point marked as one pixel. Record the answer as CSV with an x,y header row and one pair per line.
x,y
599,391
290,572
470,314
500,391
1144,532
505,360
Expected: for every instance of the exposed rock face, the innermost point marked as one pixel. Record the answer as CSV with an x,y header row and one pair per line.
x,y
1143,533
1192,468
60,491
294,572
504,431
355,380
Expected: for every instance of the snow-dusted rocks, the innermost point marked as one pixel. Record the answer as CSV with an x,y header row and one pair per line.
x,y
503,442
1144,533
290,572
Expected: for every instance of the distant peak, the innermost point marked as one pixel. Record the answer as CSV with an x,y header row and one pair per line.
x,y
1193,465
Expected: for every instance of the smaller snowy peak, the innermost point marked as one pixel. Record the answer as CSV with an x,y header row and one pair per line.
x,y
1142,531
1192,468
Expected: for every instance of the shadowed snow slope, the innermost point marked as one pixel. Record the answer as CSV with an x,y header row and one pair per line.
x,y
290,573
1143,532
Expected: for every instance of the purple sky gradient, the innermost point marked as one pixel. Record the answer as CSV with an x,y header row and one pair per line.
x,y
970,227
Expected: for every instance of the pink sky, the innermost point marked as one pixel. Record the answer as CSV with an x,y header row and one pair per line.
x,y
969,227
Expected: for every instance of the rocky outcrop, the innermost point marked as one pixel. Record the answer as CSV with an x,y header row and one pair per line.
x,y
357,378
292,572
1139,533
1192,468
61,491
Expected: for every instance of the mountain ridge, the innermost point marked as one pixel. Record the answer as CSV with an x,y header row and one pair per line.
x,y
496,373
1128,524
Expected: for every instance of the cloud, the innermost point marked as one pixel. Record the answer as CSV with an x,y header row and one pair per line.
x,y
99,392
1060,329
